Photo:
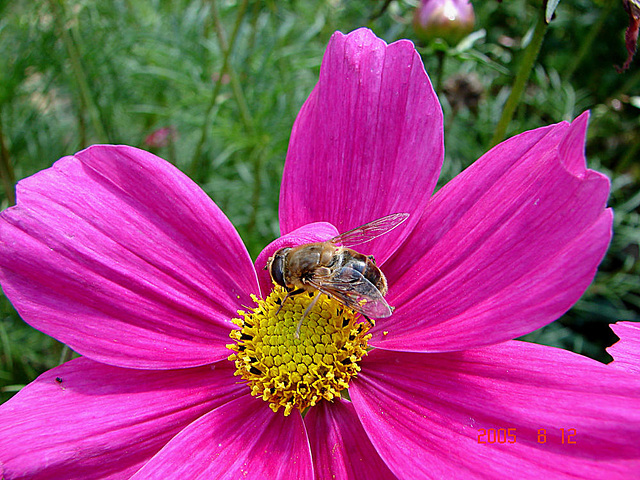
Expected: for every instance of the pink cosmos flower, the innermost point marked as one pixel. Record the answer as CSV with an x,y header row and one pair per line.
x,y
116,253
626,352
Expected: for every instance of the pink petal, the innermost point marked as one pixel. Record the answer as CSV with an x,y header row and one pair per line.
x,y
428,415
314,232
118,254
242,439
368,141
506,247
89,420
626,352
340,446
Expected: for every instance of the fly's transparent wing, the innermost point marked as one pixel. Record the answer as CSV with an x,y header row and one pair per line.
x,y
352,289
369,231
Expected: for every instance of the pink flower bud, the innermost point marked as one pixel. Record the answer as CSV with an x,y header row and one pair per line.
x,y
450,20
161,137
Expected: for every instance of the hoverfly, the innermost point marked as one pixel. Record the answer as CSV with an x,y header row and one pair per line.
x,y
334,269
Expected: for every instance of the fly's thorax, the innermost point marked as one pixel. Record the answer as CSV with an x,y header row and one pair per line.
x,y
303,261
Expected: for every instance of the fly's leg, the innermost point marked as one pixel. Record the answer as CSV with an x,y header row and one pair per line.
x,y
304,314
371,322
286,297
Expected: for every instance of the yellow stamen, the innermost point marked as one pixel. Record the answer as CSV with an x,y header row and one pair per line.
x,y
293,372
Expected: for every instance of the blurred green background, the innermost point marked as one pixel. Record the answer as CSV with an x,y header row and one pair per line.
x,y
227,78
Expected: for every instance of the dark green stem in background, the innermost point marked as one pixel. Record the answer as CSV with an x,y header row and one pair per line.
x,y
257,183
629,158
587,42
79,75
522,76
441,55
255,153
245,115
196,170
629,86
380,11
6,169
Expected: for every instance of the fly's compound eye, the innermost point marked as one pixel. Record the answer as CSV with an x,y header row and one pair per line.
x,y
277,267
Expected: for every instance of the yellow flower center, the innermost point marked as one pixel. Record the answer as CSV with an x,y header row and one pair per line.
x,y
293,371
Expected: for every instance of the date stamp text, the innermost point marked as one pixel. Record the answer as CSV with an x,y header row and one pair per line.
x,y
565,436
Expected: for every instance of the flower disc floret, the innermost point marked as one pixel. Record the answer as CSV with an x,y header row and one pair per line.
x,y
297,371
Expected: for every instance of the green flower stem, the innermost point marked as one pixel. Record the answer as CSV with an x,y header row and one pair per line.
x,y
245,115
587,42
79,75
629,158
381,10
255,153
6,169
258,156
522,76
196,167
629,86
442,56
